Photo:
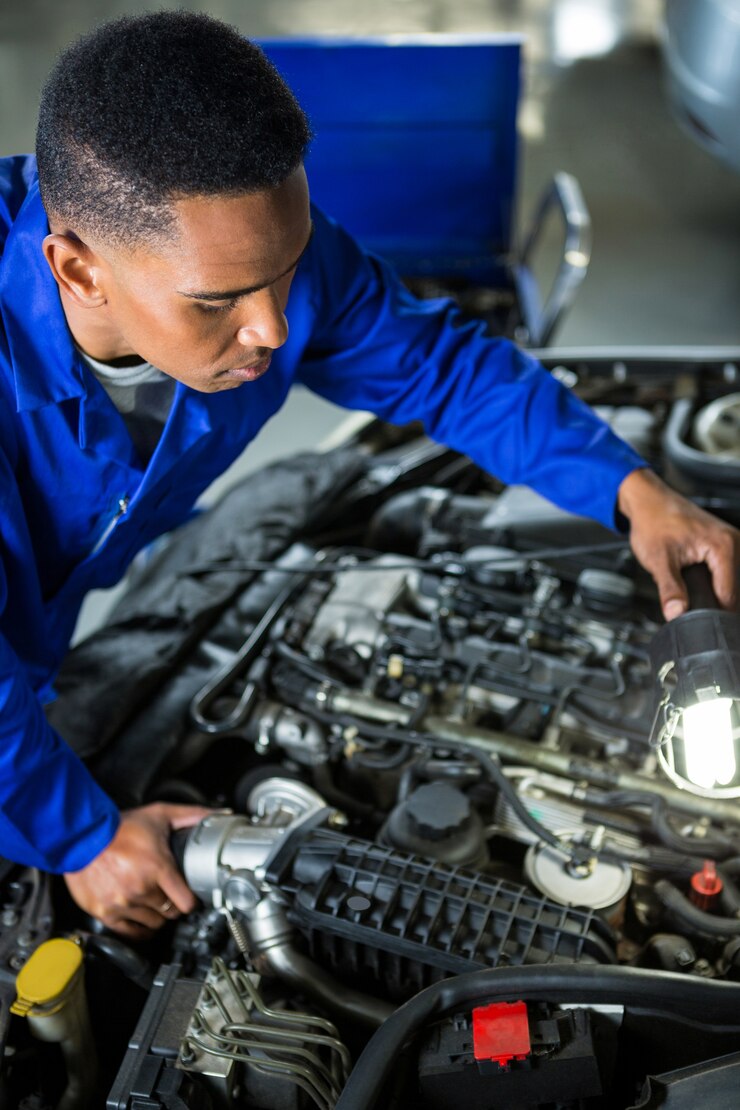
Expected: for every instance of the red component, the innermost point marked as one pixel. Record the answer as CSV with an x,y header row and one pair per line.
x,y
501,1032
706,886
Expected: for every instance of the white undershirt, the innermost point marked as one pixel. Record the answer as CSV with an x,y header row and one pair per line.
x,y
142,394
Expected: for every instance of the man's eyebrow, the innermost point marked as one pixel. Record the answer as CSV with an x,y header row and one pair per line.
x,y
232,294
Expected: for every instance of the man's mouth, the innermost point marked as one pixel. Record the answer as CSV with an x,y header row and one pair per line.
x,y
249,373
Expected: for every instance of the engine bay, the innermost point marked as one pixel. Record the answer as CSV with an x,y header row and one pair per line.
x,y
425,718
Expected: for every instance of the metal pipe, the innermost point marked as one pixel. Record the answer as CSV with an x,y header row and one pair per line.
x,y
368,707
284,961
580,768
270,936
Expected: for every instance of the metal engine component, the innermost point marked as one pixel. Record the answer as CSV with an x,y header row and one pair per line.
x,y
597,883
555,801
300,738
233,1038
271,940
25,919
504,639
283,802
226,861
353,613
225,856
215,1041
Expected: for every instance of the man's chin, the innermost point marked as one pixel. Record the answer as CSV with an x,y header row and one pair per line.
x,y
222,385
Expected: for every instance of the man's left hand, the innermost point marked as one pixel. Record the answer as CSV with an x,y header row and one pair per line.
x,y
667,532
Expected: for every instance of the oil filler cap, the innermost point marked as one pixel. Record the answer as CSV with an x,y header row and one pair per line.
x,y
44,982
437,810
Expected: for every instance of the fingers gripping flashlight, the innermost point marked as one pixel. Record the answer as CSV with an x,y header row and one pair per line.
x,y
696,660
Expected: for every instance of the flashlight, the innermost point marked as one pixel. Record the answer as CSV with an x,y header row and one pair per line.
x,y
696,661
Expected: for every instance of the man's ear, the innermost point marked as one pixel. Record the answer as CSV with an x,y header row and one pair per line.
x,y
76,269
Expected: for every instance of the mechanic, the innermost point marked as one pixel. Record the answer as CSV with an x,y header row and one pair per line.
x,y
144,290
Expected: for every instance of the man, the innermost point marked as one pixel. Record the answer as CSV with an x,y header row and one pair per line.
x,y
148,278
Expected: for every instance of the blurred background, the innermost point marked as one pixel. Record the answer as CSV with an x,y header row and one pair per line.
x,y
665,214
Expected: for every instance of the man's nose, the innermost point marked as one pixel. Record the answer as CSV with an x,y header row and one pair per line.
x,y
264,323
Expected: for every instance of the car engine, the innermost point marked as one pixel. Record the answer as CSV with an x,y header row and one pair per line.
x,y
443,867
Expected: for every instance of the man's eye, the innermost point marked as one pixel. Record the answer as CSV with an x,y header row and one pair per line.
x,y
217,307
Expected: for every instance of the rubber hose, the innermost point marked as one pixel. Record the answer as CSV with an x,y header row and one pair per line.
x,y
400,522
705,849
347,803
383,763
680,995
690,916
128,962
235,668
730,896
493,769
708,468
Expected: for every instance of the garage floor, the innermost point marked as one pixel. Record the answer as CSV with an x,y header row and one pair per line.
x,y
666,216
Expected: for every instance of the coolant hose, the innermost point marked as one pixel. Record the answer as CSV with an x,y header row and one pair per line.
x,y
708,469
680,995
730,896
717,849
686,914
731,866
129,963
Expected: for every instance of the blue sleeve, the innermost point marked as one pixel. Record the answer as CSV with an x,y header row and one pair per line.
x,y
376,347
53,815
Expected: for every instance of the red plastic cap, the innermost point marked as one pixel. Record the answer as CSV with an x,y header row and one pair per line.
x,y
706,881
501,1032
706,887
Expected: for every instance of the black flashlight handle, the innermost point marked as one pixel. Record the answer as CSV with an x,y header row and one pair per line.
x,y
698,579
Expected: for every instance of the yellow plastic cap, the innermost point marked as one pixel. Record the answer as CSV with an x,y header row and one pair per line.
x,y
46,976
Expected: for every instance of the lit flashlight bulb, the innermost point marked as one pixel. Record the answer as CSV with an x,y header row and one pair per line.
x,y
708,745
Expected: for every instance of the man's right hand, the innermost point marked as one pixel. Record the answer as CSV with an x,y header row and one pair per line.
x,y
134,885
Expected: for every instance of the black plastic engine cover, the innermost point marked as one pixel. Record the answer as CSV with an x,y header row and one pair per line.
x,y
381,916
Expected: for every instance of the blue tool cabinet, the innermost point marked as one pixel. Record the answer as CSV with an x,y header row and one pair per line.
x,y
415,152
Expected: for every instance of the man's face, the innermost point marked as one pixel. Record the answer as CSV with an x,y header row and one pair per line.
x,y
208,307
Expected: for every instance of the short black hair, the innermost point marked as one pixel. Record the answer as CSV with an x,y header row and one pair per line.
x,y
148,109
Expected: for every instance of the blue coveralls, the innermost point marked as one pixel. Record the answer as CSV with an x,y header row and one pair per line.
x,y
357,337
